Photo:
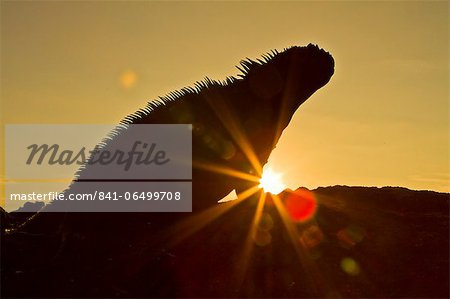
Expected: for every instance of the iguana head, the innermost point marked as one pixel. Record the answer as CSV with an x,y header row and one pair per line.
x,y
280,83
284,80
277,85
295,73
304,70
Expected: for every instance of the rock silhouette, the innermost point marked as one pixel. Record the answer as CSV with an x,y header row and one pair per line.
x,y
361,242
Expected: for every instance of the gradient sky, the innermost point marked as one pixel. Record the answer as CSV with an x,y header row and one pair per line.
x,y
383,120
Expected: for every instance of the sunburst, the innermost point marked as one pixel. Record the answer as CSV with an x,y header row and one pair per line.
x,y
271,181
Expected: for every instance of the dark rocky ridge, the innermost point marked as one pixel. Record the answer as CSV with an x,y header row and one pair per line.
x,y
362,242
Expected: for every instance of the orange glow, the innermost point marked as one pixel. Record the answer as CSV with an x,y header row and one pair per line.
x,y
301,205
128,79
224,170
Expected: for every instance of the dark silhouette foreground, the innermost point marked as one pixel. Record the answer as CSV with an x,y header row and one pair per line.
x,y
361,242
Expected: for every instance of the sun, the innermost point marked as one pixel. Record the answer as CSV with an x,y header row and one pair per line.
x,y
271,181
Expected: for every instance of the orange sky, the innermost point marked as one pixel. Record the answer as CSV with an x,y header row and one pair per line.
x,y
382,120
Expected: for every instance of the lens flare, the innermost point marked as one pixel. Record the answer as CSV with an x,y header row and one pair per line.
x,y
301,205
350,266
271,182
128,79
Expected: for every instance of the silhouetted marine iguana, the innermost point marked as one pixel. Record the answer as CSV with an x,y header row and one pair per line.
x,y
237,122
236,125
